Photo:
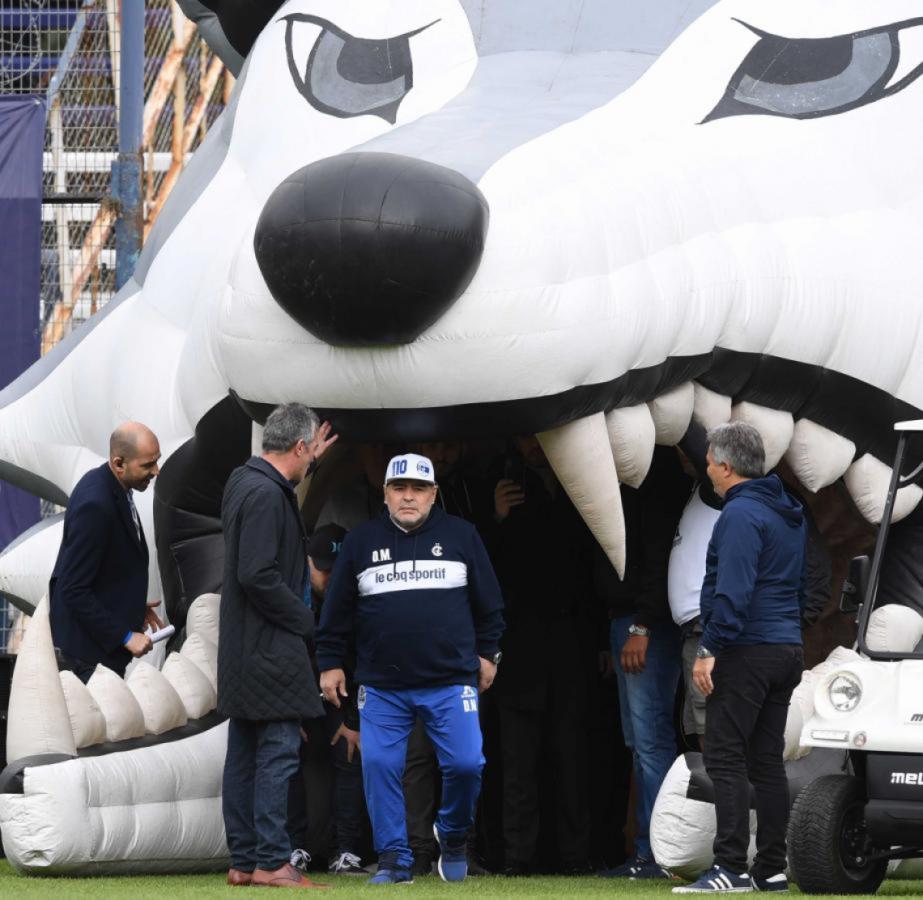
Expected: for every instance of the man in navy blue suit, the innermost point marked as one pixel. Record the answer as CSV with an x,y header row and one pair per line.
x,y
98,588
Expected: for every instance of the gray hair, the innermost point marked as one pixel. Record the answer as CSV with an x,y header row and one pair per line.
x,y
287,425
740,446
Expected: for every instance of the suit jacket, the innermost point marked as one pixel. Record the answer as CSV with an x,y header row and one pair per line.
x,y
98,588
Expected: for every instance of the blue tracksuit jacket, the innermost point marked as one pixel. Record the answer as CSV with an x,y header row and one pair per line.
x,y
423,605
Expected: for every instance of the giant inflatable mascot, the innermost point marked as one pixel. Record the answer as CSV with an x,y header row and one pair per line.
x,y
587,220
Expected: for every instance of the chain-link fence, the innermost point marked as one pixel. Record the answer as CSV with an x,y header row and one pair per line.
x,y
69,51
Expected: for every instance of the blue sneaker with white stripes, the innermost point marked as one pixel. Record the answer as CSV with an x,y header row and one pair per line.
x,y
775,884
717,880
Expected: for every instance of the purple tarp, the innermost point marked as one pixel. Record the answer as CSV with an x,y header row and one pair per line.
x,y
22,134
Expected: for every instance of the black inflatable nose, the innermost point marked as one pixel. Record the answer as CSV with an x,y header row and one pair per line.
x,y
370,248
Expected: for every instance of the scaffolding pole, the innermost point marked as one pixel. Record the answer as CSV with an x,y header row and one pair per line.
x,y
126,171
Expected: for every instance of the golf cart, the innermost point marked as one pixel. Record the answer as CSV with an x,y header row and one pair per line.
x,y
845,828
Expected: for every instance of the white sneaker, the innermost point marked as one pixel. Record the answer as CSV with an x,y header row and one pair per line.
x,y
346,864
300,859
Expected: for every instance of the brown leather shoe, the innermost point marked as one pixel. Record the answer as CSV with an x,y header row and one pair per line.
x,y
286,876
238,878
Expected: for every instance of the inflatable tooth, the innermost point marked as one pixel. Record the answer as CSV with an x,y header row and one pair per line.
x,y
671,413
632,436
709,408
867,480
38,714
818,456
87,721
581,457
774,425
473,218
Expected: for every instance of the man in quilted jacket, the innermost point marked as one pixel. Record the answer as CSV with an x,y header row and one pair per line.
x,y
265,682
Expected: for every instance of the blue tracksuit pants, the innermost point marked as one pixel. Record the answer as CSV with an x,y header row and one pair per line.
x,y
450,715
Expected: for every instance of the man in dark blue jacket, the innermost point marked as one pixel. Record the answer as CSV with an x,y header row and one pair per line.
x,y
98,589
417,589
749,658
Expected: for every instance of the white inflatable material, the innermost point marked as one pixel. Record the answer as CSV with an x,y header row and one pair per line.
x,y
818,456
710,408
29,561
794,722
203,617
894,628
160,704
837,658
38,716
120,709
157,809
683,830
775,426
803,697
868,479
581,457
87,721
193,686
204,654
672,413
631,436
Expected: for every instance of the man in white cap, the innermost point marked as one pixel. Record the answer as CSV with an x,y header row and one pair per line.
x,y
416,590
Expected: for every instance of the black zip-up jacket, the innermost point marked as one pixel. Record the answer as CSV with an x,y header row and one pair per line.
x,y
424,605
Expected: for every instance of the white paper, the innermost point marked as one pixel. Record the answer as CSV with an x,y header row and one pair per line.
x,y
162,634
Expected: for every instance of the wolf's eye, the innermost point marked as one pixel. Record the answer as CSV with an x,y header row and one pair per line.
x,y
803,78
346,76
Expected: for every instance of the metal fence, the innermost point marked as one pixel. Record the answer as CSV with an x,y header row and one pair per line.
x,y
69,52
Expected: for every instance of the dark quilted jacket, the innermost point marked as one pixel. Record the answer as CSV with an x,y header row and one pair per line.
x,y
264,672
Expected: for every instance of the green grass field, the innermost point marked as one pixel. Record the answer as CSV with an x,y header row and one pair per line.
x,y
173,887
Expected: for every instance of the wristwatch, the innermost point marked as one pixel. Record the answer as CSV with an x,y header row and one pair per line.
x,y
640,630
495,659
703,652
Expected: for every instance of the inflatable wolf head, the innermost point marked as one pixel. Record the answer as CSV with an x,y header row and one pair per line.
x,y
456,218
464,219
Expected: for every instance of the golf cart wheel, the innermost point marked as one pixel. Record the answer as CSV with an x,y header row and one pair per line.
x,y
827,843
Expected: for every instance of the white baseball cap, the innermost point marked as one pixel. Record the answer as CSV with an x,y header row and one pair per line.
x,y
410,467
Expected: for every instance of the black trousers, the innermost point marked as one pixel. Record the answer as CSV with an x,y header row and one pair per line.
x,y
524,735
744,741
326,801
422,791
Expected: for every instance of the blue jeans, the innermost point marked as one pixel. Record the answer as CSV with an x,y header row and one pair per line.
x,y
450,716
647,702
261,759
